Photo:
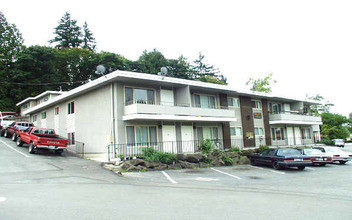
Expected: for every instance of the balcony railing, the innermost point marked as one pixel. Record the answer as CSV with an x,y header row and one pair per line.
x,y
171,111
295,117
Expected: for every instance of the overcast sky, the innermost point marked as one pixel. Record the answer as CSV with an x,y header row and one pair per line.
x,y
306,44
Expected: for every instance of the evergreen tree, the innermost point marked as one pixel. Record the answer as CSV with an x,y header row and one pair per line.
x,y
180,68
68,33
88,39
202,69
207,73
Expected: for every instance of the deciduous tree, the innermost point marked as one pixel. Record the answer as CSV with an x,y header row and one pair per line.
x,y
261,85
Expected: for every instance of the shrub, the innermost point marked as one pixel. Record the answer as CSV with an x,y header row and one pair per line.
x,y
263,148
206,146
149,154
234,149
326,142
216,152
227,160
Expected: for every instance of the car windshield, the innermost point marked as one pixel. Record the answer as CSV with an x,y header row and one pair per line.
x,y
312,151
333,150
288,152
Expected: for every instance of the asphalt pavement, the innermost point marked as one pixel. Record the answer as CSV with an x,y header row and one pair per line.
x,y
47,186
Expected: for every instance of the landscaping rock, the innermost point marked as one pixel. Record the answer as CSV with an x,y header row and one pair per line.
x,y
149,164
188,165
127,164
193,158
236,160
136,162
203,165
175,166
134,168
161,167
244,160
231,154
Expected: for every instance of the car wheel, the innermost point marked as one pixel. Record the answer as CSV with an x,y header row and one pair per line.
x,y
301,167
276,165
6,134
342,162
2,133
31,148
14,137
59,152
19,142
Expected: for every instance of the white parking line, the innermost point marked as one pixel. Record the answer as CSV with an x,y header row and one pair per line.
x,y
278,172
14,149
168,177
226,173
309,168
260,168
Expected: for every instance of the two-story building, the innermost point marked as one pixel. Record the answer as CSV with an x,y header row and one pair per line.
x,y
130,109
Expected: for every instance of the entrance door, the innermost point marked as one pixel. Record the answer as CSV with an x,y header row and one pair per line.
x,y
187,138
169,138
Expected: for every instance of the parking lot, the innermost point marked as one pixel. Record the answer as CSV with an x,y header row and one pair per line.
x,y
83,189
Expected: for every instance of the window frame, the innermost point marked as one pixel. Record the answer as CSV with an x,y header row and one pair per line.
x,y
149,142
238,105
257,104
200,102
133,95
56,110
71,107
235,129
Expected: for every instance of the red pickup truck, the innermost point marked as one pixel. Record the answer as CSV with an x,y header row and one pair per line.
x,y
42,138
13,129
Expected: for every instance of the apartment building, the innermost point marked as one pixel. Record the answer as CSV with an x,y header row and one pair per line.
x,y
135,109
33,101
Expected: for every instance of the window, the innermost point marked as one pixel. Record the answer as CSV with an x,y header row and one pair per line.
x,y
56,111
275,108
34,117
278,134
236,131
141,135
306,134
71,108
43,115
259,131
233,102
256,104
207,133
71,138
204,101
46,98
138,95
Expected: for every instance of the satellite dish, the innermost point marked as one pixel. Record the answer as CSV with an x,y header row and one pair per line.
x,y
100,70
163,71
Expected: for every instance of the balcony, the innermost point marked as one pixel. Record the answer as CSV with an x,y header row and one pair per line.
x,y
141,111
293,117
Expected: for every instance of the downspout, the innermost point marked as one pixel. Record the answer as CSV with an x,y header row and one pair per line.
x,y
113,119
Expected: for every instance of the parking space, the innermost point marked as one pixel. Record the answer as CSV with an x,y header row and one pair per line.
x,y
312,180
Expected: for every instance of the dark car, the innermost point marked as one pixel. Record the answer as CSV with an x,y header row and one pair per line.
x,y
281,158
318,157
